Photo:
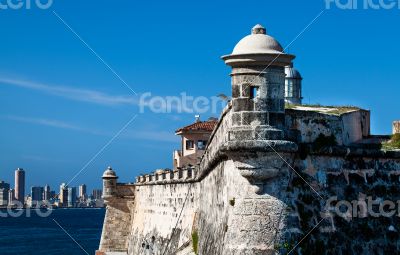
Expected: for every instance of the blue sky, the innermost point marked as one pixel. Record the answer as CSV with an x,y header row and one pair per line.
x,y
60,104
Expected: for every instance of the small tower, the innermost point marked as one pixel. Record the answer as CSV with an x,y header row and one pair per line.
x,y
109,183
293,85
396,127
258,86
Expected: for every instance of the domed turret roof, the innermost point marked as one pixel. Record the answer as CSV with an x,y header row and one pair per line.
x,y
109,173
292,72
258,42
258,49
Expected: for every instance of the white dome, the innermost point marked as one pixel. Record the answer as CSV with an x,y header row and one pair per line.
x,y
258,42
109,173
292,72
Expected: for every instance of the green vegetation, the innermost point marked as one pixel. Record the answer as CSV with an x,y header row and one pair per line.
x,y
232,202
195,241
393,143
324,141
286,246
290,106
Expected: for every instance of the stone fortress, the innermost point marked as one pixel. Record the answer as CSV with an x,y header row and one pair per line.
x,y
258,179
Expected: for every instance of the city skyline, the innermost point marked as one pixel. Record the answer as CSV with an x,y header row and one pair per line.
x,y
46,187
67,196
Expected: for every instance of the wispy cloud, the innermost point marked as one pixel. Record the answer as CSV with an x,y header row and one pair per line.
x,y
46,122
84,95
41,158
134,134
152,135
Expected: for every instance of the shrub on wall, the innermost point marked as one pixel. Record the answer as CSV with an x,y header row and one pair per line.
x,y
393,143
195,241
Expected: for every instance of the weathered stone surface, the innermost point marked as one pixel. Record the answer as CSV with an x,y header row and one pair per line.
x,y
242,104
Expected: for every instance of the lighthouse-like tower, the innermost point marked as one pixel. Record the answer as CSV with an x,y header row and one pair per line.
x,y
258,86
293,86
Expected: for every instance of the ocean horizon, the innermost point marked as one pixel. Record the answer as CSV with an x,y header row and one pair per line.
x,y
52,235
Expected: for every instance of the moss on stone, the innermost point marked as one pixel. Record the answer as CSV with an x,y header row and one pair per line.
x,y
195,241
393,143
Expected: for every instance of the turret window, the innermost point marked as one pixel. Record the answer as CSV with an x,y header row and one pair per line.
x,y
253,92
289,88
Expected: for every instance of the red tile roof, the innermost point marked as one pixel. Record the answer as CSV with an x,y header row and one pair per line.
x,y
200,126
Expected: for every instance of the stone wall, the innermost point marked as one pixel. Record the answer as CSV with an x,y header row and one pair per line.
x,y
160,225
347,128
328,200
226,219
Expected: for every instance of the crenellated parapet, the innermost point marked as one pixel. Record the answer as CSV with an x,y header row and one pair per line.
x,y
168,176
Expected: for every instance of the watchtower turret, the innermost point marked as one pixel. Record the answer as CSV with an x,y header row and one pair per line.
x,y
109,183
258,86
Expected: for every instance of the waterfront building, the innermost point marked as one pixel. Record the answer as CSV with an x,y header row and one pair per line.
x,y
97,193
4,193
19,185
82,191
37,194
63,196
11,196
71,197
46,193
3,197
4,185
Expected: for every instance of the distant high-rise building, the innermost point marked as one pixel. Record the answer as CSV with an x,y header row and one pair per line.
x,y
97,193
37,194
82,190
4,185
71,197
11,196
63,196
4,193
46,193
20,185
3,197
